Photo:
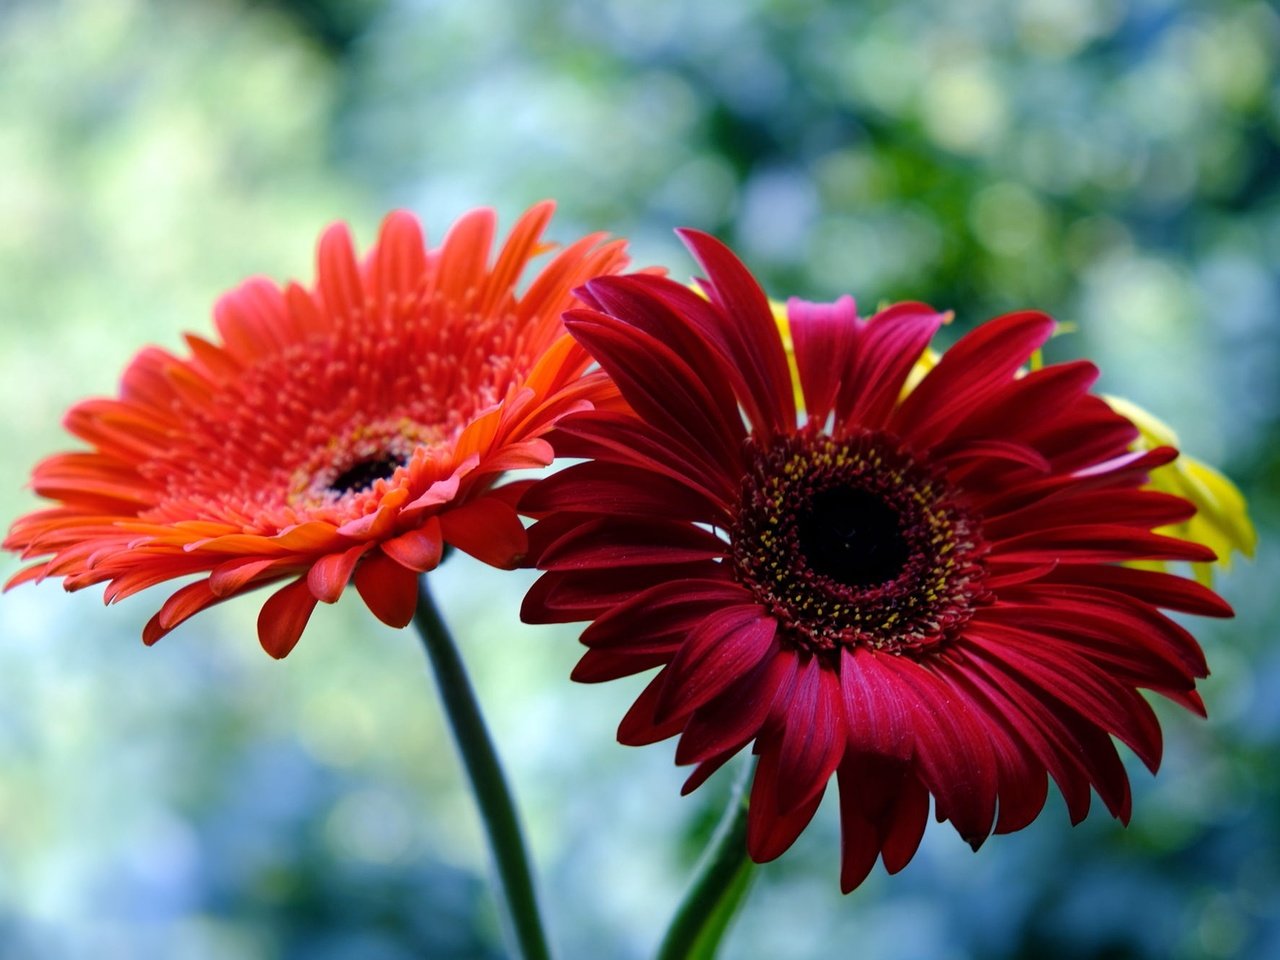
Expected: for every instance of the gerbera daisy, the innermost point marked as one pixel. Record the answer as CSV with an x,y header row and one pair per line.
x,y
919,592
342,433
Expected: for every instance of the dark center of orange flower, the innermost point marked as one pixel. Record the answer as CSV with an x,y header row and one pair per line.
x,y
856,542
363,474
355,458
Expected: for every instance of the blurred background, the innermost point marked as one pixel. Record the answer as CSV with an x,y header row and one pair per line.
x,y
1116,162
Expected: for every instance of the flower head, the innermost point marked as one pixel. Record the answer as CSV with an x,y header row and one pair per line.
x,y
342,433
920,592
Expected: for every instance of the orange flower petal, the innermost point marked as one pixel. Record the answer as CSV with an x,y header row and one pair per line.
x,y
489,530
418,550
389,590
186,603
284,616
329,575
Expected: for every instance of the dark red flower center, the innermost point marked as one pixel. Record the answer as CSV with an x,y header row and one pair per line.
x,y
853,537
854,541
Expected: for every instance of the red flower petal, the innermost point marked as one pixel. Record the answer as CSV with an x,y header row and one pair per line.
x,y
339,275
877,707
655,305
750,342
284,616
769,831
400,262
647,630
722,648
953,748
418,550
622,439
813,739
824,337
968,374
883,809
233,576
641,724
1022,784
978,458
621,490
1098,542
599,666
1148,586
489,530
463,255
1077,753
565,596
183,604
1144,509
621,541
887,350
1095,617
1059,674
703,771
731,720
330,575
669,609
1028,402
659,384
389,590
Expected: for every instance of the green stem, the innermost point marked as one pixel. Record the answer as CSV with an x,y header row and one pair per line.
x,y
493,797
719,885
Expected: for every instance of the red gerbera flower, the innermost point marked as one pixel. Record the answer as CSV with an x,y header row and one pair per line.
x,y
347,432
921,594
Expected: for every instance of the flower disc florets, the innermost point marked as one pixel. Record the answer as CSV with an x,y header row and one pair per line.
x,y
854,542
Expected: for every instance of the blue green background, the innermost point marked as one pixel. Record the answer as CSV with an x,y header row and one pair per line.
x,y
1115,162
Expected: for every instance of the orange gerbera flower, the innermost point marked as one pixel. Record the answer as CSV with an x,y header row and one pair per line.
x,y
344,433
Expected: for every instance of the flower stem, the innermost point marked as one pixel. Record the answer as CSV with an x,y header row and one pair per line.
x,y
493,797
719,885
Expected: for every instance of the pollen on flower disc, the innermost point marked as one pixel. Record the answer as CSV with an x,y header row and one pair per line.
x,y
853,542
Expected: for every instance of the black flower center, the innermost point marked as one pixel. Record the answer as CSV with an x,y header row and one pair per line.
x,y
853,537
344,466
854,541
364,473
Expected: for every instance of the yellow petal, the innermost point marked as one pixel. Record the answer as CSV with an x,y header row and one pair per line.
x,y
1222,519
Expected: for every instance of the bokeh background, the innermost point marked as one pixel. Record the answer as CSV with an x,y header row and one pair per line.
x,y
1116,162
